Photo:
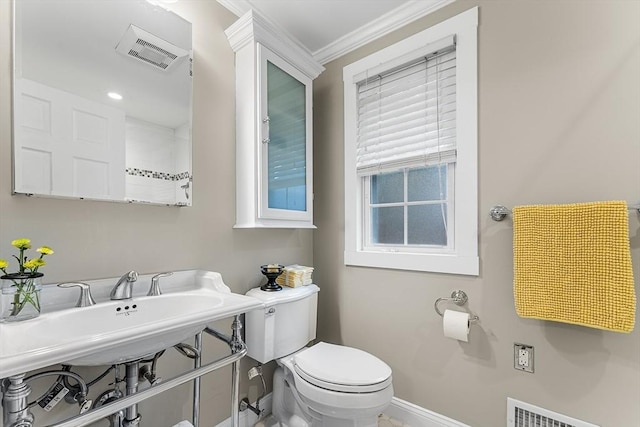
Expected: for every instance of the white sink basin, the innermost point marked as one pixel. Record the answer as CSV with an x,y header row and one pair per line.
x,y
118,331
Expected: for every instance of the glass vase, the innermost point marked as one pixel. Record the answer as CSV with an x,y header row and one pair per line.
x,y
20,296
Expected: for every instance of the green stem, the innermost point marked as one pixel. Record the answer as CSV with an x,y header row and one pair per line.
x,y
25,293
17,307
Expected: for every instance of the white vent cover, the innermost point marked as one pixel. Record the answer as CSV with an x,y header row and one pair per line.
x,y
144,46
521,414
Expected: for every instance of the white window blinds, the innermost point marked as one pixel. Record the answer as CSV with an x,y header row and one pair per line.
x,y
407,116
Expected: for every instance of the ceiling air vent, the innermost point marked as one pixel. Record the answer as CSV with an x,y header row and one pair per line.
x,y
521,414
144,46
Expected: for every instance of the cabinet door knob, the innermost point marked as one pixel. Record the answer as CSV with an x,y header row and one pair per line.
x,y
266,121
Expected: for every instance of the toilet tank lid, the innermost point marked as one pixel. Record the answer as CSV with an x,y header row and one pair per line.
x,y
287,294
341,365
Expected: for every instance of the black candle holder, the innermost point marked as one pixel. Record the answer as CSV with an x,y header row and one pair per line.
x,y
271,272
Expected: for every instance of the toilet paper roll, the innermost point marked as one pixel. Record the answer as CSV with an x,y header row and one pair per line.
x,y
455,324
184,423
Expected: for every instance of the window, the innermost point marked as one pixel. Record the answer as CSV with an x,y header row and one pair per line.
x,y
408,210
411,152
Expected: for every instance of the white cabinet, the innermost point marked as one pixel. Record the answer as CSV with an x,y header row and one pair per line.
x,y
274,150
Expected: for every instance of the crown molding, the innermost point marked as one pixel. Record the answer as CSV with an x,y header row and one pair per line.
x,y
391,21
237,7
253,27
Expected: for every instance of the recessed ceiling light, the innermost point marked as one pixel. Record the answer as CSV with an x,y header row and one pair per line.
x,y
114,95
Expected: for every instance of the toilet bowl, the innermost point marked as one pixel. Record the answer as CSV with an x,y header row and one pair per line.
x,y
338,385
324,384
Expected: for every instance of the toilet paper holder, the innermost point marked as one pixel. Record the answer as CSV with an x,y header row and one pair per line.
x,y
458,298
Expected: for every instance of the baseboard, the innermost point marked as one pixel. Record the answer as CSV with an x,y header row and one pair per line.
x,y
247,417
401,410
416,416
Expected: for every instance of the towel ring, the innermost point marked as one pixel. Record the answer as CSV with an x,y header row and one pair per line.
x,y
458,298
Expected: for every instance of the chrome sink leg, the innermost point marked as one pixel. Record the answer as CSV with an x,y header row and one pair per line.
x,y
236,346
197,362
14,402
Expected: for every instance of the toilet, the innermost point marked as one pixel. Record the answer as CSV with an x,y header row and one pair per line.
x,y
322,385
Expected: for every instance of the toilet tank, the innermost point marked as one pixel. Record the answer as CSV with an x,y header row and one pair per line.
x,y
286,323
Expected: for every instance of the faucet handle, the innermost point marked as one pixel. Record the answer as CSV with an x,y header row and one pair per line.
x,y
155,284
85,299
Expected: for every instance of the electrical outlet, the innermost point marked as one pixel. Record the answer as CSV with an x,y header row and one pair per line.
x,y
523,357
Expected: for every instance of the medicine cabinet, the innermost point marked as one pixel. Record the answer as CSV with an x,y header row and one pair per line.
x,y
274,131
102,101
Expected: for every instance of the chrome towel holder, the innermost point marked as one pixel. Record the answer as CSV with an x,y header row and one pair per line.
x,y
459,298
499,212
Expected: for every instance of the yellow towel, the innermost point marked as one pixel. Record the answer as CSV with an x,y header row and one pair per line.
x,y
572,264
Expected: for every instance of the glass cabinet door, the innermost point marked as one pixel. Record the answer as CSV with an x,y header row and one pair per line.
x,y
286,140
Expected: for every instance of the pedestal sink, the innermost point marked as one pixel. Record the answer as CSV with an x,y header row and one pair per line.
x,y
117,331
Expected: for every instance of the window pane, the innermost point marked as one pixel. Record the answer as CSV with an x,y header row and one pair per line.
x,y
387,225
426,225
423,184
287,140
387,188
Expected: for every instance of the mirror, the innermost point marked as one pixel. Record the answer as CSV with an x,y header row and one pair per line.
x,y
102,101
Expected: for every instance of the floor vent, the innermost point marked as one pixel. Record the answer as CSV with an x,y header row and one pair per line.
x,y
521,414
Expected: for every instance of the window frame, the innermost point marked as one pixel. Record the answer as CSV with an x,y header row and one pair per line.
x,y
462,257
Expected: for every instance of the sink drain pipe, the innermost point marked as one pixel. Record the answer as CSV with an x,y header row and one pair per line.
x,y
15,391
238,351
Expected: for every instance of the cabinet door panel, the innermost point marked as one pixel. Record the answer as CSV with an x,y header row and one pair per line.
x,y
285,111
286,150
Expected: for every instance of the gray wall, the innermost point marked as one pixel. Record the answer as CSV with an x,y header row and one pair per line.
x,y
559,105
559,122
99,239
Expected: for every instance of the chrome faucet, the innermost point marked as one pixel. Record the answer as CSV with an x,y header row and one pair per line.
x,y
123,289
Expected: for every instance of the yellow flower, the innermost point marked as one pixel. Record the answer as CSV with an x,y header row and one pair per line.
x,y
45,250
28,266
34,263
22,243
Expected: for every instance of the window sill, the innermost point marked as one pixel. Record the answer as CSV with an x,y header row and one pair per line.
x,y
436,263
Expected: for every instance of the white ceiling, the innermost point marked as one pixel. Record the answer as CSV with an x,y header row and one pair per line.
x,y
331,28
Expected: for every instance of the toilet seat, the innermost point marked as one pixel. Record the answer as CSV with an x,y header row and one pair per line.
x,y
342,369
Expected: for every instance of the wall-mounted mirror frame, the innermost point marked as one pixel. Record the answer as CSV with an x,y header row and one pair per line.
x,y
72,136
